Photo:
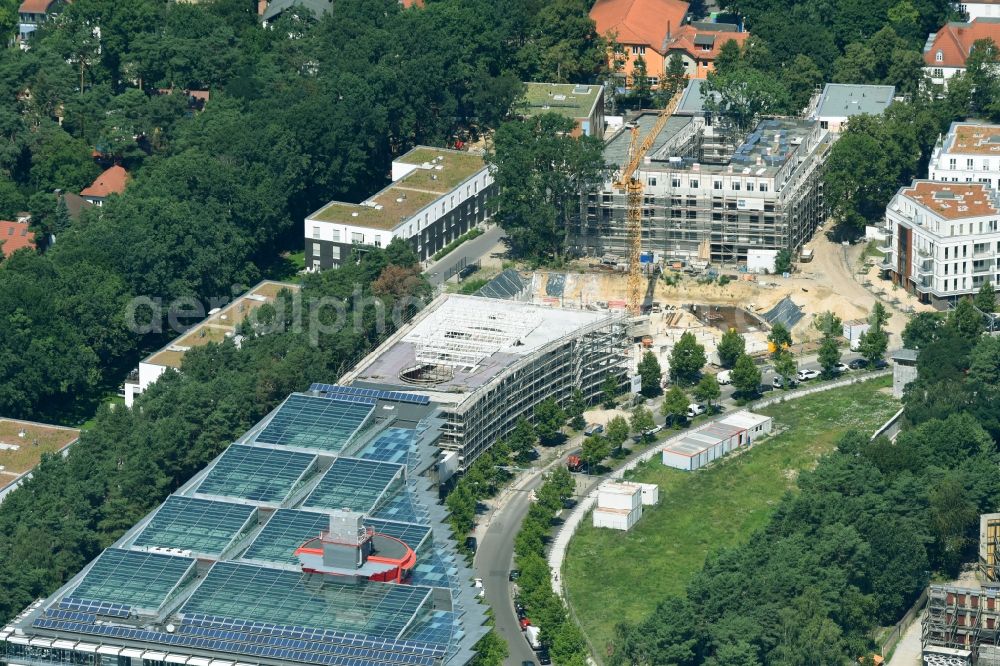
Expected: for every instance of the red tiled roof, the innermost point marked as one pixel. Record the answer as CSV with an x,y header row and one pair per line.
x,y
14,236
955,40
35,6
411,3
643,22
112,181
684,40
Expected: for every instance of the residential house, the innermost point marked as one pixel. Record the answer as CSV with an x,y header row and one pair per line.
x,y
946,50
436,195
640,28
969,153
699,43
943,239
974,9
583,104
31,14
840,101
15,236
75,204
315,8
112,181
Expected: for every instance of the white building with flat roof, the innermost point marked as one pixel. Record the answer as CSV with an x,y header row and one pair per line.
x,y
840,101
943,239
436,195
968,153
619,505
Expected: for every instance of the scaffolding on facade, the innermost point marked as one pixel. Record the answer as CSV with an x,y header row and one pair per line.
x,y
961,626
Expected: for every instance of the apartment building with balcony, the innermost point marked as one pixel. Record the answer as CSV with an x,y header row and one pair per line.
x,y
436,195
707,199
968,153
943,239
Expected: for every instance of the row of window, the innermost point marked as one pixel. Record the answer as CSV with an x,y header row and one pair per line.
x,y
969,164
734,185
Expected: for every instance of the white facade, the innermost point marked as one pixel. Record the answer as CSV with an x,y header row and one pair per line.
x,y
707,444
761,261
855,328
943,239
969,153
619,505
756,425
976,10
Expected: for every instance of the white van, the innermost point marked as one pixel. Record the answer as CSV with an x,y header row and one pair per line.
x,y
724,377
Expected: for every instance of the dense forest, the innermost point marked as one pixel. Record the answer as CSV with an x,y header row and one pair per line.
x,y
299,114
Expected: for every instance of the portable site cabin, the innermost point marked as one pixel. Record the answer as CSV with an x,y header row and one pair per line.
x,y
696,449
757,425
619,505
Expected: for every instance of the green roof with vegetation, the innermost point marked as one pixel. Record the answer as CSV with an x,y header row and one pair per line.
x,y
568,99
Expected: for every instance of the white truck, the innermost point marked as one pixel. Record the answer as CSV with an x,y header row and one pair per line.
x,y
532,633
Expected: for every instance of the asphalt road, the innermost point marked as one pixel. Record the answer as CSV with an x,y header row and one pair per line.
x,y
494,559
470,251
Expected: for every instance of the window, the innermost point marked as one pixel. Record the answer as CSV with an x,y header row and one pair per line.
x,y
654,81
336,252
736,186
378,240
315,232
716,184
824,124
357,238
316,247
675,182
763,187
968,163
694,183
336,235
939,56
749,187
315,264
638,50
651,181
951,163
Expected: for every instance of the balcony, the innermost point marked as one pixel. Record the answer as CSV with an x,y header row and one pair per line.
x,y
986,267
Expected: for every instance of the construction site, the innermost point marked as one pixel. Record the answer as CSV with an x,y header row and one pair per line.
x,y
961,626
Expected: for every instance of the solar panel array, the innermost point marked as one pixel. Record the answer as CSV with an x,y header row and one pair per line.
x,y
355,484
316,423
291,597
393,445
257,473
133,578
75,608
333,390
204,527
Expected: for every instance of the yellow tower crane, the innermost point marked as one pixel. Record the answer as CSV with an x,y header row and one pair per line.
x,y
633,188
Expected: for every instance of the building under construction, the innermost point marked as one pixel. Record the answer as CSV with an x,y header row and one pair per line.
x,y
488,362
708,196
962,624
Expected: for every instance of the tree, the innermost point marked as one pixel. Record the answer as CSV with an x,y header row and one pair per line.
x,y
783,261
746,376
641,422
731,347
965,320
786,367
642,93
986,298
922,329
491,650
549,420
674,78
617,432
707,391
651,375
575,410
744,96
540,172
778,339
687,358
879,315
828,324
609,391
522,439
829,356
873,344
595,449
675,405
801,77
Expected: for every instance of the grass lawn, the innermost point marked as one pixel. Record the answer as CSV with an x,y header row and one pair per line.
x,y
613,576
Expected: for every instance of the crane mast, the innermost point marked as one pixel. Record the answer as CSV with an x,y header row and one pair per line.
x,y
633,188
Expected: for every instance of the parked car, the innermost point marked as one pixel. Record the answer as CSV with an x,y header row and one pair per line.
x,y
480,590
857,364
514,575
593,429
881,364
471,544
527,663
525,623
724,377
841,367
543,657
806,375
695,409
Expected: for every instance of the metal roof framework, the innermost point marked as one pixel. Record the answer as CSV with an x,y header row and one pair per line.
x,y
356,484
144,581
463,337
324,424
257,474
204,527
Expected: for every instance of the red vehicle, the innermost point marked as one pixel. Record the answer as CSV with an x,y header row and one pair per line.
x,y
525,623
574,464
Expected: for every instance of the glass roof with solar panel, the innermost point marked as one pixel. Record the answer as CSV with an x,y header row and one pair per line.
x,y
401,508
355,484
393,445
204,527
258,474
290,528
323,424
320,602
144,581
392,396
